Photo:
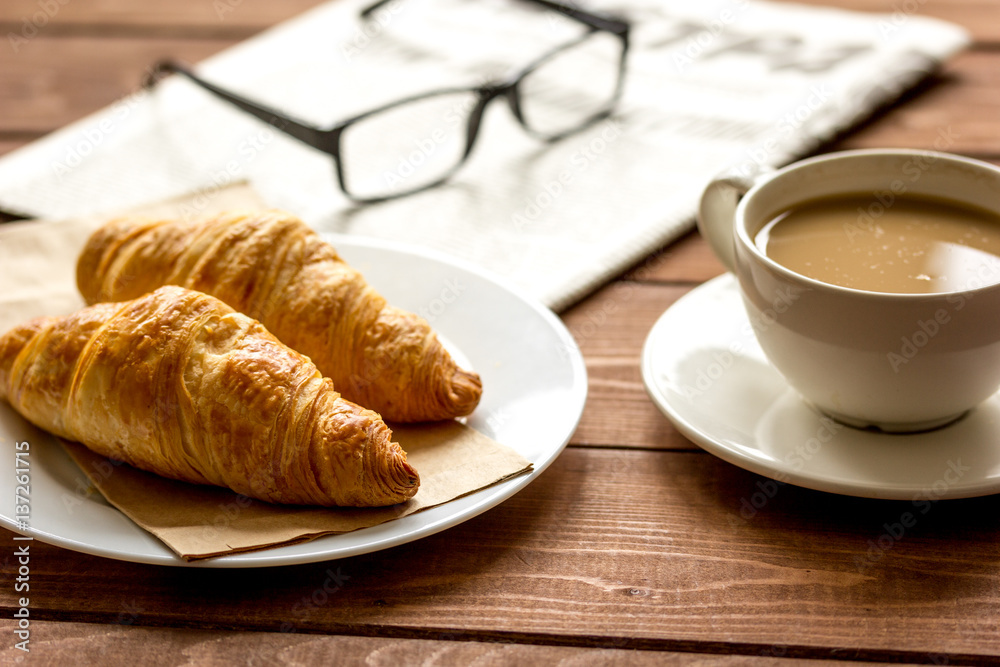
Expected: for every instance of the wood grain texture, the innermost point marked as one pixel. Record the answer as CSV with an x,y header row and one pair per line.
x,y
613,549
619,413
52,82
83,644
953,111
610,327
180,18
686,260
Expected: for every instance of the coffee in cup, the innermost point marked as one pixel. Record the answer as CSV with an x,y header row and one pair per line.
x,y
917,245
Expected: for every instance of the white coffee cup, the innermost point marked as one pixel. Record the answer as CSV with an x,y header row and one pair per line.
x,y
896,362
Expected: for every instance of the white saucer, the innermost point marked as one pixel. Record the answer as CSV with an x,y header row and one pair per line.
x,y
703,368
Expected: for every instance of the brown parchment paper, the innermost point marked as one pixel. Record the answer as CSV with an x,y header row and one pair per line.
x,y
38,277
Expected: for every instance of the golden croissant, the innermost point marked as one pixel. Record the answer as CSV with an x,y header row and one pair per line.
x,y
178,383
277,270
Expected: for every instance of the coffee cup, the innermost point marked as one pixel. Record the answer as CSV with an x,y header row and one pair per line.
x,y
897,361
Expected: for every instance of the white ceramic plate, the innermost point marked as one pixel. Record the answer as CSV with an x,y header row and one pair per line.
x,y
703,368
534,388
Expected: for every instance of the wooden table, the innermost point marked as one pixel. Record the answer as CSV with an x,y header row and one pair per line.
x,y
630,549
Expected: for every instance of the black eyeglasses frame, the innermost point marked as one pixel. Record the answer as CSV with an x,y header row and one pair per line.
x,y
328,139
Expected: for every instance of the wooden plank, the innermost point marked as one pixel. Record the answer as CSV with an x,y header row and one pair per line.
x,y
955,111
51,82
171,17
613,322
627,549
619,413
687,260
610,326
977,15
121,644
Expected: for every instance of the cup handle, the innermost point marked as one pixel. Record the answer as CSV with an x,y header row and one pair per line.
x,y
717,211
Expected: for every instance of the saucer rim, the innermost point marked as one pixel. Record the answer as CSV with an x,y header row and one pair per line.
x,y
769,467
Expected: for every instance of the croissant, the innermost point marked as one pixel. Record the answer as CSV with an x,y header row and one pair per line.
x,y
277,270
179,384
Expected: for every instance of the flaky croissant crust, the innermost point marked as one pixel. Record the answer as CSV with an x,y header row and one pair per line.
x,y
178,383
274,268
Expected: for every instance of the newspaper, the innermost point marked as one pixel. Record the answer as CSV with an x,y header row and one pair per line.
x,y
710,86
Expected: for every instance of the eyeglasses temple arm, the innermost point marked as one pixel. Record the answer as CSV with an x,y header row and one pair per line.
x,y
372,8
609,24
304,132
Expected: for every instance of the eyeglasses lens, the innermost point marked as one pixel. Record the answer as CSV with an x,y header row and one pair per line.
x,y
573,86
406,147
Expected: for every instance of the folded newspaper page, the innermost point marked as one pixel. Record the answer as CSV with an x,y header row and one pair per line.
x,y
709,86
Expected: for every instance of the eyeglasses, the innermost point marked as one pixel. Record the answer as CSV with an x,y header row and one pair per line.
x,y
418,142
